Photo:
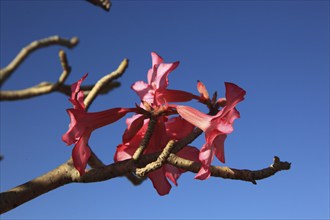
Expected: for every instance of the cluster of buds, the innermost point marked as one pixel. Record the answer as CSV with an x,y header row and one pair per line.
x,y
156,122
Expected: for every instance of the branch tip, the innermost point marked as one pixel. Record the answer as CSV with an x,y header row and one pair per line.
x,y
74,41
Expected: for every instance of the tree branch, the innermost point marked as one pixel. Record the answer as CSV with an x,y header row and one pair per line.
x,y
104,4
23,193
103,86
231,173
146,139
25,52
43,87
65,174
104,82
158,163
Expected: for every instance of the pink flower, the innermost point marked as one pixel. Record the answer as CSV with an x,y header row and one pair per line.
x,y
165,130
215,127
203,91
155,92
84,123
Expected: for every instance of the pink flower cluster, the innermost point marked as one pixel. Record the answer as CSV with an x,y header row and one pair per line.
x,y
156,97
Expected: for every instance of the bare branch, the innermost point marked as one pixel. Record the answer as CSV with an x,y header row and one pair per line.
x,y
42,88
94,161
66,173
158,163
104,85
231,173
145,141
104,82
104,4
25,52
36,187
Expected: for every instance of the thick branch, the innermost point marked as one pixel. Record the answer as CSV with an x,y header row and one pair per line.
x,y
25,52
36,187
66,173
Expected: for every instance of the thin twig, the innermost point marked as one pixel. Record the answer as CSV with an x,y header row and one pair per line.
x,y
65,89
158,163
145,141
26,51
42,88
104,4
187,140
231,173
104,82
103,86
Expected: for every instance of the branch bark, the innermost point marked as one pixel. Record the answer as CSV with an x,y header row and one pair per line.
x,y
103,86
42,88
65,174
6,72
104,4
104,82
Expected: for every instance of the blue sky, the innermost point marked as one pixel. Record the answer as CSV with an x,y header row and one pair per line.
x,y
278,51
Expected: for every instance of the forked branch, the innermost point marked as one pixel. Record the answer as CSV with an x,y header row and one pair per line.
x,y
43,87
26,51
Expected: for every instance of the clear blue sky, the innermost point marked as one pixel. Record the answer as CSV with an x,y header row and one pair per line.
x,y
278,51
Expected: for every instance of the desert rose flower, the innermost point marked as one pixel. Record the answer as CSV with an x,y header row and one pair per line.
x,y
215,127
155,92
165,130
83,123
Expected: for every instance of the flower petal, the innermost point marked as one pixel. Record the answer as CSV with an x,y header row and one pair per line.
x,y
234,95
134,124
144,91
82,122
124,152
160,181
81,153
77,96
202,90
206,155
195,117
189,153
172,173
161,79
156,60
204,173
174,96
159,138
73,133
225,124
219,143
178,128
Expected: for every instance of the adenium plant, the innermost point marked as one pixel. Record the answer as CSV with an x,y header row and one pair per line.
x,y
156,121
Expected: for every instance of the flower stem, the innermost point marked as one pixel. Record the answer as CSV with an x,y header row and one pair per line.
x,y
145,141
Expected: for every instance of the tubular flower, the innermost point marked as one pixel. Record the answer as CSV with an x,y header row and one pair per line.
x,y
165,130
83,123
155,92
215,127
